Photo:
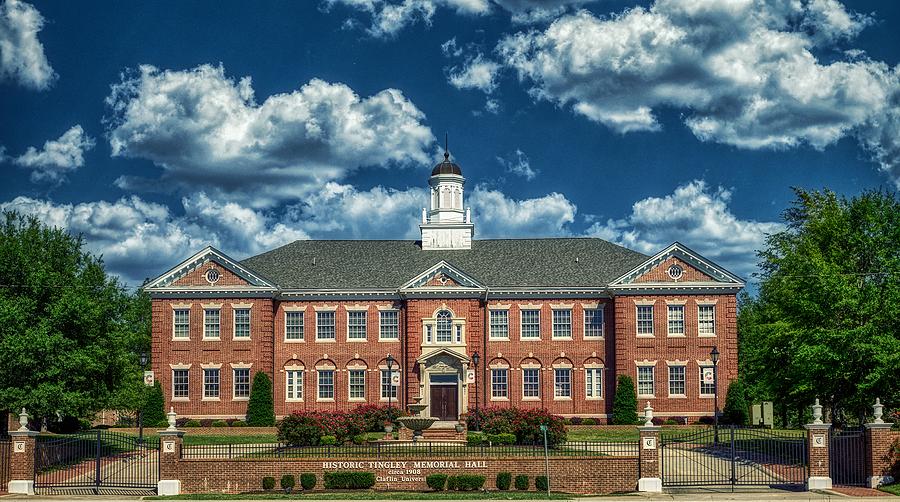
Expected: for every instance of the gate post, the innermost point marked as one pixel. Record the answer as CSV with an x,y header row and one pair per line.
x,y
818,448
21,460
169,454
648,454
878,446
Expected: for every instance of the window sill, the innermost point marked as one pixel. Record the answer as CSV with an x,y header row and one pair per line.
x,y
357,340
207,339
645,396
385,400
707,396
593,399
531,399
181,339
213,399
677,396
645,335
294,340
325,400
561,338
326,340
242,339
357,400
181,399
707,336
388,339
498,339
561,398
676,335
293,400
529,339
600,338
501,399
240,399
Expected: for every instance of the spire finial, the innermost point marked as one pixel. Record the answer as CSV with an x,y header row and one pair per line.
x,y
446,146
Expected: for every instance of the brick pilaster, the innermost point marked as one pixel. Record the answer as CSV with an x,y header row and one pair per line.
x,y
649,468
818,452
878,453
169,455
21,462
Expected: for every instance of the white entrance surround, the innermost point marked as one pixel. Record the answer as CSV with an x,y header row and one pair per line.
x,y
443,363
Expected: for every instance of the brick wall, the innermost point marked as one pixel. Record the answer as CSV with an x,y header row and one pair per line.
x,y
589,475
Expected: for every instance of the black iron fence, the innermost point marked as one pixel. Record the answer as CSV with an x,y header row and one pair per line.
x,y
420,449
848,457
4,463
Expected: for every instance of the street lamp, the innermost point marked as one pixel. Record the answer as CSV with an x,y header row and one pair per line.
x,y
714,356
475,362
142,359
390,365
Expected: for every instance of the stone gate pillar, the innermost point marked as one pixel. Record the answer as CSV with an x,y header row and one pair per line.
x,y
170,443
21,459
818,447
878,446
648,454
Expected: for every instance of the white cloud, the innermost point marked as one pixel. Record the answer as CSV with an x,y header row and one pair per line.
x,y
58,157
536,11
21,53
497,215
476,73
389,17
518,164
744,73
696,215
207,132
492,106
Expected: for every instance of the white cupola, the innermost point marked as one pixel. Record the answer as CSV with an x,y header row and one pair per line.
x,y
447,225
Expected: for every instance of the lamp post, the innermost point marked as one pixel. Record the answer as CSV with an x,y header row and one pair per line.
x,y
390,365
475,362
142,359
714,356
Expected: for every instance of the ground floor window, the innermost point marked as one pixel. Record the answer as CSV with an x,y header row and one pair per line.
x,y
676,380
179,383
211,383
562,382
593,383
387,387
294,385
500,383
326,384
241,383
357,382
645,381
707,381
531,383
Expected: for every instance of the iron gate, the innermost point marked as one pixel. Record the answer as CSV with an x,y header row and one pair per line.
x,y
848,457
4,463
96,462
733,456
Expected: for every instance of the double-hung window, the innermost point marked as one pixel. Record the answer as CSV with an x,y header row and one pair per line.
x,y
593,323
326,384
706,320
211,383
211,323
181,327
387,387
676,320
499,383
707,380
357,383
293,385
241,383
645,320
293,325
562,383
645,380
531,383
593,383
562,323
531,324
356,324
180,384
676,380
499,324
325,325
242,323
389,325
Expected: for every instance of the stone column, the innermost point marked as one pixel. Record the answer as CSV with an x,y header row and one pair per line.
x,y
818,451
21,460
648,454
878,447
169,454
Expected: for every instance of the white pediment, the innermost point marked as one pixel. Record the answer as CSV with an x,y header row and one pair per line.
x,y
455,278
207,255
718,274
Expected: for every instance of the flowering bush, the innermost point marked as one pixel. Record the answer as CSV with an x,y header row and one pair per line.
x,y
307,428
375,416
523,423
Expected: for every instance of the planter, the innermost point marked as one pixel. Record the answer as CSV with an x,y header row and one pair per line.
x,y
459,428
388,428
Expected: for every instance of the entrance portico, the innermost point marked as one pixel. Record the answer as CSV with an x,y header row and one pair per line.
x,y
443,385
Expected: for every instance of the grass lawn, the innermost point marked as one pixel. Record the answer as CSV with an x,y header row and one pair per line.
x,y
371,495
893,488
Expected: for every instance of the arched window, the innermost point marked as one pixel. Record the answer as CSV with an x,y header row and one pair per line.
x,y
444,327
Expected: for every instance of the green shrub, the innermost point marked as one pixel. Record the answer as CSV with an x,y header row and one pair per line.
x,y
670,422
154,410
328,440
261,407
268,483
219,423
192,423
299,429
504,480
465,482
348,480
436,481
239,423
475,439
307,481
541,483
288,482
521,482
624,409
588,421
736,410
360,439
502,438
523,423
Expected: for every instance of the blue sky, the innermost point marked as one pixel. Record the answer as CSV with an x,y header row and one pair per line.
x,y
157,128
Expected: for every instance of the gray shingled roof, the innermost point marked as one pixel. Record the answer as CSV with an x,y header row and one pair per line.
x,y
347,264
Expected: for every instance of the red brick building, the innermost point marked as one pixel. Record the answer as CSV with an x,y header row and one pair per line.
x,y
553,322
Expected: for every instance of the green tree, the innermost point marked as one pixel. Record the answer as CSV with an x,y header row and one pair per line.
x,y
825,322
66,342
736,410
261,407
624,410
154,409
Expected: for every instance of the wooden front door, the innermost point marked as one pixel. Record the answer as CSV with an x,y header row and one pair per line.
x,y
444,402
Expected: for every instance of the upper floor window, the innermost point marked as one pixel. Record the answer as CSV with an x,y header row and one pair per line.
x,y
706,320
325,325
356,324
499,323
389,325
676,320
242,323
593,323
444,327
531,323
293,325
182,323
645,319
562,323
211,323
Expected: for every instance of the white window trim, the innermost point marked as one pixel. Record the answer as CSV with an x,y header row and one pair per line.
x,y
388,309
571,382
381,397
652,333
365,385
597,368
499,368
235,367
700,381
302,312
491,331
715,333
334,372
522,308
538,369
365,337
177,307
644,364
234,309
683,333
209,309
185,367
205,367
298,369
558,308
334,326
678,364
584,329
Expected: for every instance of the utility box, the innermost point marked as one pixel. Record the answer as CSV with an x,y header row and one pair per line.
x,y
762,414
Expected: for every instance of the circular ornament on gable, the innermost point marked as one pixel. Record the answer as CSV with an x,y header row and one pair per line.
x,y
675,272
212,276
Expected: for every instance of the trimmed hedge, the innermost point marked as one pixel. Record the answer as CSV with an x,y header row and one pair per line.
x,y
268,483
288,482
219,423
504,480
307,481
192,423
541,483
348,480
465,482
328,440
436,482
474,438
502,438
521,482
